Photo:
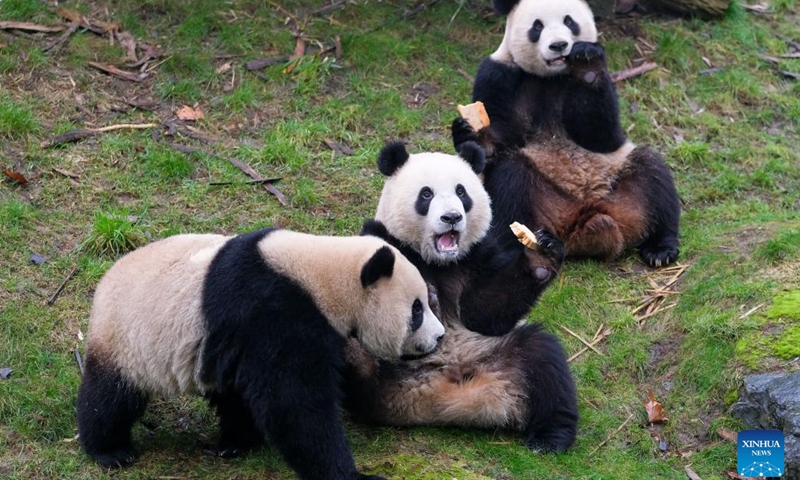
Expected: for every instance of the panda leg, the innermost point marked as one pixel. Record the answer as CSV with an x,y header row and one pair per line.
x,y
296,406
108,406
238,431
663,208
552,401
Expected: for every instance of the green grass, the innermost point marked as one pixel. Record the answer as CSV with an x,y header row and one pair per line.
x,y
730,137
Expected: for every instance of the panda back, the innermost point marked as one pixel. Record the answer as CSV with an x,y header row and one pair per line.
x,y
146,317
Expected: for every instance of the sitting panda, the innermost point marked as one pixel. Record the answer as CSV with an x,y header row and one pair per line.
x,y
560,159
486,373
257,323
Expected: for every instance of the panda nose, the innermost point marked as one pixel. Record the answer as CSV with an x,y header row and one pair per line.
x,y
558,46
451,217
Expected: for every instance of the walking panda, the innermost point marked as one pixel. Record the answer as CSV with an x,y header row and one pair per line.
x,y
486,373
255,322
560,158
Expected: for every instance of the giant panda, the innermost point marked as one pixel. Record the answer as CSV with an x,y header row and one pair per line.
x,y
488,372
559,156
257,323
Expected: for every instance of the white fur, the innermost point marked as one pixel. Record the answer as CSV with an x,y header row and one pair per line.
x,y
517,48
147,318
329,269
441,173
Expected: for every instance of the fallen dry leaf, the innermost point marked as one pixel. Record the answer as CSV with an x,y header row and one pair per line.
x,y
690,473
16,176
188,113
655,412
223,68
727,434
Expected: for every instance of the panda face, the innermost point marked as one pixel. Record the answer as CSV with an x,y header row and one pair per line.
x,y
436,204
396,308
540,34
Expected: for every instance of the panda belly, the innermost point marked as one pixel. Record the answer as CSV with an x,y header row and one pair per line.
x,y
588,199
146,319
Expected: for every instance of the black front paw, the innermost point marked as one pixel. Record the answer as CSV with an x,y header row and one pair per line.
x,y
551,246
462,132
587,61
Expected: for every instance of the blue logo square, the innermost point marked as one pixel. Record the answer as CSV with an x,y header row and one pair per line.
x,y
760,453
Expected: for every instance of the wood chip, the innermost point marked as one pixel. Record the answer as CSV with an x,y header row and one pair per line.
x,y
338,147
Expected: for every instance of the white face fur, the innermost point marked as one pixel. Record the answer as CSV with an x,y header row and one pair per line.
x,y
540,33
389,313
435,204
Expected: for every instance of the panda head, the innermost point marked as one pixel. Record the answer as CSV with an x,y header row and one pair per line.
x,y
434,203
396,321
540,33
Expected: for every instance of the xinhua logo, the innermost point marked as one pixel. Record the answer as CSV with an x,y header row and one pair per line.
x,y
760,453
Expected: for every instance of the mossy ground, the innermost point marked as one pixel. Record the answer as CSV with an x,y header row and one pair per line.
x,y
730,136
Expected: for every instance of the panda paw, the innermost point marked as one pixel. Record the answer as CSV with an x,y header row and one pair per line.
x,y
588,61
550,245
659,256
462,132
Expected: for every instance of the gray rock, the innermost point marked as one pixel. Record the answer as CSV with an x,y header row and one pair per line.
x,y
772,402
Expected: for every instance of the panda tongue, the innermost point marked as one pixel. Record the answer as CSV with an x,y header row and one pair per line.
x,y
447,242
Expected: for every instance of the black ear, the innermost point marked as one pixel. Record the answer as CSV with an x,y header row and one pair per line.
x,y
502,7
374,228
473,154
392,157
380,265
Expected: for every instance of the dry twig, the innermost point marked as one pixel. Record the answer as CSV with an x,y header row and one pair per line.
x,y
632,72
611,435
582,340
599,336
29,27
60,288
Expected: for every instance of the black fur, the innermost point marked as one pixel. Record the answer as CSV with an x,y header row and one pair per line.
x,y
275,361
474,155
423,203
581,106
466,200
553,408
392,157
380,265
108,406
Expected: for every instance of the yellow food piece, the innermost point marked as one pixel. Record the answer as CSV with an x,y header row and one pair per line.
x,y
524,235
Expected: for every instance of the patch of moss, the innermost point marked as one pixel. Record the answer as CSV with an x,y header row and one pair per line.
x,y
786,304
788,344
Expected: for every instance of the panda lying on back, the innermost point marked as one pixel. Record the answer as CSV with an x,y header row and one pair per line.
x,y
560,157
255,322
486,373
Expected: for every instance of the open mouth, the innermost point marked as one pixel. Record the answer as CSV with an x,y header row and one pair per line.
x,y
447,242
557,62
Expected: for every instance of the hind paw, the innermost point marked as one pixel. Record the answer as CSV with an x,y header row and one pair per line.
x,y
659,256
116,458
556,442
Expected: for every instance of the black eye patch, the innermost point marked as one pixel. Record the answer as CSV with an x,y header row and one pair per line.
x,y
572,25
423,202
536,31
466,200
416,315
